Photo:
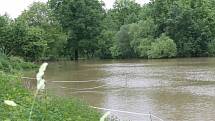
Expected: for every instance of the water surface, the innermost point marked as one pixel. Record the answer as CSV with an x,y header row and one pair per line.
x,y
172,89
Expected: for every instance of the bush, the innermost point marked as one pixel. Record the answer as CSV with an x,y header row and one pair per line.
x,y
122,47
211,48
163,47
105,42
144,47
46,108
5,63
13,64
18,63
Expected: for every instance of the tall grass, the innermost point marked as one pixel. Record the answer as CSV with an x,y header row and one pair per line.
x,y
14,64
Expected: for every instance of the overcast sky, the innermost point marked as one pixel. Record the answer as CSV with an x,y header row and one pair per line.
x,y
15,7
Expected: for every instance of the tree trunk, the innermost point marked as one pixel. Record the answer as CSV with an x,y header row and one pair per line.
x,y
76,54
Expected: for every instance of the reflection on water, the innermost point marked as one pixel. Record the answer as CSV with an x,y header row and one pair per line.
x,y
173,89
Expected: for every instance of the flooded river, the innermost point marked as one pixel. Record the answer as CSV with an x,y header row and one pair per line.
x,y
172,89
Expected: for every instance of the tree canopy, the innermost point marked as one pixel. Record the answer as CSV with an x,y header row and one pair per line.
x,y
81,19
84,29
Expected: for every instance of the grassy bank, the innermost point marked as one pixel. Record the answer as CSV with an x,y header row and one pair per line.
x,y
14,64
46,108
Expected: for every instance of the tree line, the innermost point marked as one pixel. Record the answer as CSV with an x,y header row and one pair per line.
x,y
85,29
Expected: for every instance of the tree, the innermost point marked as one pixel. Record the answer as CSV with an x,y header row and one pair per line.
x,y
35,47
12,33
211,48
141,35
122,47
163,47
190,23
82,21
5,30
105,42
144,47
39,15
125,12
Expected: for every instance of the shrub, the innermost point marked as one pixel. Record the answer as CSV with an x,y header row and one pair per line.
x,y
5,63
211,48
122,47
144,47
13,64
163,47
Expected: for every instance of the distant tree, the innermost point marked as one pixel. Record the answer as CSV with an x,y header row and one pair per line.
x,y
82,21
105,42
39,15
144,47
211,48
190,23
122,47
125,12
163,47
36,45
12,36
5,31
141,35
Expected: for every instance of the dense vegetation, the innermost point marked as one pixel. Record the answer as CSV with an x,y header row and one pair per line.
x,y
84,29
14,64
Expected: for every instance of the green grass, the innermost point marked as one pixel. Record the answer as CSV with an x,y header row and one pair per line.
x,y
14,64
46,108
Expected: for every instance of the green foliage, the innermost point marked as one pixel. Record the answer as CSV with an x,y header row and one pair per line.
x,y
211,48
105,42
144,47
73,28
163,47
5,64
38,14
141,35
125,12
134,40
36,44
46,108
10,35
122,48
40,19
189,23
14,64
81,19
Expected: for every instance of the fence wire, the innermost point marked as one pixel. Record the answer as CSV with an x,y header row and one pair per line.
x,y
92,90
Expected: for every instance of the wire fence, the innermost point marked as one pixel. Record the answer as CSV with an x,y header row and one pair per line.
x,y
92,89
128,112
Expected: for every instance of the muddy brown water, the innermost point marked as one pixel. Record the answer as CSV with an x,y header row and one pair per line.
x,y
172,89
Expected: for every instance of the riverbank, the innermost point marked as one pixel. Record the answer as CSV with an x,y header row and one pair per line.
x,y
14,64
46,107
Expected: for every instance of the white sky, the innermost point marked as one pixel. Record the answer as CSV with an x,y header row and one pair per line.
x,y
15,7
